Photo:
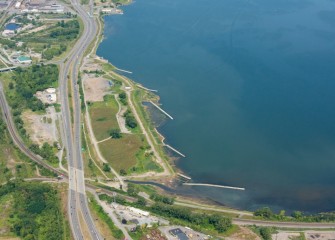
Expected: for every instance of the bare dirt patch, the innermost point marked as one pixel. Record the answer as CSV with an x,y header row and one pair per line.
x,y
244,233
314,235
95,88
41,128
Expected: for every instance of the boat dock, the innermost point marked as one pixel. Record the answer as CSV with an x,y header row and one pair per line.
x,y
184,176
175,150
161,110
148,89
213,185
121,70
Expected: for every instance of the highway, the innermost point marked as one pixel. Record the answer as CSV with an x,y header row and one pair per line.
x,y
72,141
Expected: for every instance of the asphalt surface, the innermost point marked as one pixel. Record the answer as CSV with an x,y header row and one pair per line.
x,y
72,141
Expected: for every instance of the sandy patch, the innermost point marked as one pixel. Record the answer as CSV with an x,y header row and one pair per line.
x,y
95,88
314,235
41,128
244,233
285,235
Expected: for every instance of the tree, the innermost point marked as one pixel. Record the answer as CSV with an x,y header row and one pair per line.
x,y
115,133
297,214
106,167
141,202
123,172
266,233
264,212
132,190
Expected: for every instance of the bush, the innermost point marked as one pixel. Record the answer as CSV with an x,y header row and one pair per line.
x,y
115,133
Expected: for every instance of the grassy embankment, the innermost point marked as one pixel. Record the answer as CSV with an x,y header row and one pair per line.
x,y
105,224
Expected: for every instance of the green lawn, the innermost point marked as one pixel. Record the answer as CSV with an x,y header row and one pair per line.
x,y
103,117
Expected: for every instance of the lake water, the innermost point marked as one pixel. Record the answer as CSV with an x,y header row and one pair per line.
x,y
251,87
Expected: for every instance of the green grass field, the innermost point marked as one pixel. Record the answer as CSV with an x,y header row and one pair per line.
x,y
121,153
103,117
129,153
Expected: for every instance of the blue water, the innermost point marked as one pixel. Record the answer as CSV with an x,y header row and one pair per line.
x,y
251,85
12,26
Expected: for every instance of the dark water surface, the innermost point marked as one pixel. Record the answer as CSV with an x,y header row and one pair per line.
x,y
251,85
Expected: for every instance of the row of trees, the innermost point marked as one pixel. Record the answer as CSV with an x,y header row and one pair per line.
x,y
216,221
267,213
161,198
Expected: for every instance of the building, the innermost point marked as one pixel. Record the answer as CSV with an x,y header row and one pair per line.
x,y
24,60
178,233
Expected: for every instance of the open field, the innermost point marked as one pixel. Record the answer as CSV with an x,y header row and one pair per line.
x,y
129,153
103,116
121,153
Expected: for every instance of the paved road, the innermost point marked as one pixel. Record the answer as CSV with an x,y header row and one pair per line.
x,y
72,142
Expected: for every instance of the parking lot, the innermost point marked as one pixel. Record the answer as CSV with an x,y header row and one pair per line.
x,y
135,217
187,233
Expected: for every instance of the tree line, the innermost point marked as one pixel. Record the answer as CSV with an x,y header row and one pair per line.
x,y
267,213
36,212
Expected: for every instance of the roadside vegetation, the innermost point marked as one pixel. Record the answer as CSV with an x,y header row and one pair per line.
x,y
33,211
296,216
107,225
264,232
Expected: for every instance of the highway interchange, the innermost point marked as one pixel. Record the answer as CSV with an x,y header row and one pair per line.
x,y
77,205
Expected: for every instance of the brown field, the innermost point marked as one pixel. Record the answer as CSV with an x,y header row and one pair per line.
x,y
121,153
103,117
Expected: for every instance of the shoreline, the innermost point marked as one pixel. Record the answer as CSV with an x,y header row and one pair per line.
x,y
174,178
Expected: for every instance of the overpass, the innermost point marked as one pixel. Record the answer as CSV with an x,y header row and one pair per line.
x,y
7,69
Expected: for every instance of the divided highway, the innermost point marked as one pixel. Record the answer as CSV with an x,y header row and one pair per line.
x,y
78,206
